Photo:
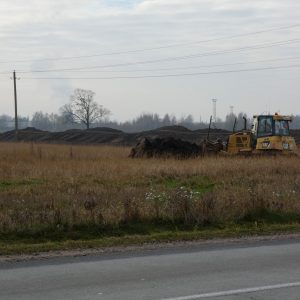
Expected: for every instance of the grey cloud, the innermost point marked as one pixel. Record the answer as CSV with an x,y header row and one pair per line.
x,y
36,29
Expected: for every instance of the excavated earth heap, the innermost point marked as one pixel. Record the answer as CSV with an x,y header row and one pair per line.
x,y
109,136
165,147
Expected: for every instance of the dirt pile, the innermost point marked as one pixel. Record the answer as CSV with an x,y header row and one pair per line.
x,y
296,134
165,148
108,136
172,147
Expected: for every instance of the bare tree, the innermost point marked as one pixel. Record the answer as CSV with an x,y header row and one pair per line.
x,y
83,108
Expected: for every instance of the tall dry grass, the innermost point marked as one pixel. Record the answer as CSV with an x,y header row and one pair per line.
x,y
49,187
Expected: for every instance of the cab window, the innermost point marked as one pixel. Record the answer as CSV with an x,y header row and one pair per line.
x,y
265,126
281,127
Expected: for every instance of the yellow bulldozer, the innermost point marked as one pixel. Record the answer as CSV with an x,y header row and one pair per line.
x,y
269,134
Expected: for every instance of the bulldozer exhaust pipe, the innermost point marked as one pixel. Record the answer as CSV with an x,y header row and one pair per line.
x,y
245,123
234,125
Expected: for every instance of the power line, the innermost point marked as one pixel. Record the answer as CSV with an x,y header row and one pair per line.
x,y
154,48
167,75
187,67
175,58
179,68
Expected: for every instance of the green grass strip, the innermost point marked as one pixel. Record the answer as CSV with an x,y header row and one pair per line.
x,y
230,231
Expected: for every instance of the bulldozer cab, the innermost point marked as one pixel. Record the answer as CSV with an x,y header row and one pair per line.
x,y
272,133
268,125
269,134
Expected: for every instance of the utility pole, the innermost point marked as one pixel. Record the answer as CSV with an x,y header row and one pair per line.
x,y
16,105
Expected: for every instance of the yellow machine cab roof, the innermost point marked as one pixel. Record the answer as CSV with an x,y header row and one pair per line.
x,y
275,117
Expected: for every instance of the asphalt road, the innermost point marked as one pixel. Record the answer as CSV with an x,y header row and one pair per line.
x,y
246,271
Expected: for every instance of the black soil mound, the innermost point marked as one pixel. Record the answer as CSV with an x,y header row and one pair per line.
x,y
31,129
296,134
176,128
109,136
165,148
105,129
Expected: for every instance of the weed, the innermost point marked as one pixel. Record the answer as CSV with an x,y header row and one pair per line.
x,y
11,184
58,189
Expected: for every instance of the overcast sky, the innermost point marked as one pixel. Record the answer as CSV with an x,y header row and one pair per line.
x,y
142,38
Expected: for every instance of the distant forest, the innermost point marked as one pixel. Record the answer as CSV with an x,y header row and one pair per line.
x,y
146,121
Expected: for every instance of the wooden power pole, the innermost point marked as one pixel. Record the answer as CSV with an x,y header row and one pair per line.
x,y
16,105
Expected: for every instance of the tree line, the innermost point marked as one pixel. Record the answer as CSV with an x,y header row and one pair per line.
x,y
83,112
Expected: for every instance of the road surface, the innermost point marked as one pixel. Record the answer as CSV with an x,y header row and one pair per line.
x,y
262,270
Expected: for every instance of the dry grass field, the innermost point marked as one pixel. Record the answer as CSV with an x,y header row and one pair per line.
x,y
59,188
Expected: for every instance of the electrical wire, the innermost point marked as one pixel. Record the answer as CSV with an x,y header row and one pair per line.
x,y
154,48
169,59
181,68
166,75
189,67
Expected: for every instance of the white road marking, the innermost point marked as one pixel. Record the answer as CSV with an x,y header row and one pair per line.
x,y
236,292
